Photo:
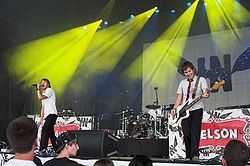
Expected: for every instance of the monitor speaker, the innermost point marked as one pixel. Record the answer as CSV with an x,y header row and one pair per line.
x,y
95,144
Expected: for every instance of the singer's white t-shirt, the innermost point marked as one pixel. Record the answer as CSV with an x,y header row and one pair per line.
x,y
49,104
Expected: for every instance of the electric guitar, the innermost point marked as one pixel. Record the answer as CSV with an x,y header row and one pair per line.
x,y
183,110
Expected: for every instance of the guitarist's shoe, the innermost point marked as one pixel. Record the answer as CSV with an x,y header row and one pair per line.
x,y
195,158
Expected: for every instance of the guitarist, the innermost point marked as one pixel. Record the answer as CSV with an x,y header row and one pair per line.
x,y
191,126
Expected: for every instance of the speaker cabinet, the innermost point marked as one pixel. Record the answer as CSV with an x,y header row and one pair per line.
x,y
95,144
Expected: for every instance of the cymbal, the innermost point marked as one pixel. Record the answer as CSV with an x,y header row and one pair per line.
x,y
126,112
153,106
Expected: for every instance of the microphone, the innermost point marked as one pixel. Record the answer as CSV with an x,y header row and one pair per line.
x,y
34,85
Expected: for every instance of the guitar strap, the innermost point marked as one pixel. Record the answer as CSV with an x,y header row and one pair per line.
x,y
195,87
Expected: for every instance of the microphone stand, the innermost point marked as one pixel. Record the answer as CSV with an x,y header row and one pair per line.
x,y
34,103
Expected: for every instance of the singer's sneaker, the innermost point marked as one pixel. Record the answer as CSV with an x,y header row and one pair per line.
x,y
42,153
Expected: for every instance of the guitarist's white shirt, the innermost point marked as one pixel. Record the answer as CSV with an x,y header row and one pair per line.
x,y
182,91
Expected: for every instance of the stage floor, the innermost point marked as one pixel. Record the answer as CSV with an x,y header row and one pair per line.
x,y
124,161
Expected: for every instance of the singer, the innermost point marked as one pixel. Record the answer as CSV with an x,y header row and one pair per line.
x,y
48,115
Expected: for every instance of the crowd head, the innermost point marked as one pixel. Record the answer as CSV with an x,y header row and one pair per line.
x,y
104,162
141,160
22,134
236,153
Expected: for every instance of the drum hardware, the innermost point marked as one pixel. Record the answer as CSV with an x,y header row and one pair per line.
x,y
153,106
167,107
159,121
156,113
142,125
124,126
99,119
66,114
126,115
138,127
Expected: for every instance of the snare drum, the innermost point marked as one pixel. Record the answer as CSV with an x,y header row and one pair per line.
x,y
156,113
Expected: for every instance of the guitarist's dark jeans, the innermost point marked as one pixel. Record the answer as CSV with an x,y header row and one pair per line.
x,y
191,129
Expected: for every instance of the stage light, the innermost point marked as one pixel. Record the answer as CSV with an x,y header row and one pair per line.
x,y
157,10
131,16
189,4
105,22
85,27
172,11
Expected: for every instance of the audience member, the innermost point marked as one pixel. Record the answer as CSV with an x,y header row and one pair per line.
x,y
22,135
236,153
67,147
104,162
37,161
141,160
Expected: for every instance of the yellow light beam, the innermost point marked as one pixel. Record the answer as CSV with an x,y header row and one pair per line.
x,y
55,57
161,58
226,15
107,10
108,47
110,44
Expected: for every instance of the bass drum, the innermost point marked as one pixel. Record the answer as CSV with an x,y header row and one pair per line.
x,y
138,127
136,130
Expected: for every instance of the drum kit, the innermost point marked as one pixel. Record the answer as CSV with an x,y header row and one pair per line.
x,y
152,123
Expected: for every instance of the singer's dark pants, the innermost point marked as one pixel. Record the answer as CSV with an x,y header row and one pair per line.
x,y
191,129
48,132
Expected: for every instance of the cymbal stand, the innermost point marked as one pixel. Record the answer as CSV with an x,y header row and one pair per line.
x,y
156,133
166,109
99,118
124,126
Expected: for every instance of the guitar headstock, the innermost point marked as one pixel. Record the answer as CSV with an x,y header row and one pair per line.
x,y
217,85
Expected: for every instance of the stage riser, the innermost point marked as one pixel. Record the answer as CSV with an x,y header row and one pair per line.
x,y
149,147
97,144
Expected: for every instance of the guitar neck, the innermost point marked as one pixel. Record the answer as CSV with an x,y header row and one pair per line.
x,y
196,100
193,102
